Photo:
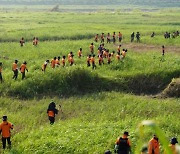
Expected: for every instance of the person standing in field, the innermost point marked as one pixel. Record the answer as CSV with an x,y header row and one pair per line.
x,y
153,145
5,128
132,37
35,41
172,145
138,37
123,145
91,47
96,38
63,61
15,69
71,60
22,42
89,61
1,79
119,49
120,36
52,111
80,53
53,62
114,37
108,38
102,38
23,68
163,50
93,62
69,55
101,61
44,66
58,61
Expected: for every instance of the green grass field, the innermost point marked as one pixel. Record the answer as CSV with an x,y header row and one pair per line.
x,y
98,105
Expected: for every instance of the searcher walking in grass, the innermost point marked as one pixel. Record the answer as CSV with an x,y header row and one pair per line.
x,y
5,128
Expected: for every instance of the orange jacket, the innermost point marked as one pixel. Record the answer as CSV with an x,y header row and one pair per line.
x,y
79,53
119,35
123,53
153,146
23,68
173,149
5,128
0,69
14,66
53,62
118,57
51,114
57,62
92,60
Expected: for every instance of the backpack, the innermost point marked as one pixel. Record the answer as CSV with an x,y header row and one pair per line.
x,y
123,146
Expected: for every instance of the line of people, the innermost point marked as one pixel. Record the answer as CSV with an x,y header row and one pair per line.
x,y
109,39
123,145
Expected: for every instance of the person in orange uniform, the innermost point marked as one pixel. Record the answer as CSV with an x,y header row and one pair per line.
x,y
120,36
119,48
22,69
57,63
96,38
114,37
118,57
22,42
44,66
108,38
93,62
173,145
52,111
69,55
15,69
53,62
35,41
89,61
5,128
123,145
101,61
124,53
109,59
153,145
91,47
80,53
63,61
102,38
1,79
71,60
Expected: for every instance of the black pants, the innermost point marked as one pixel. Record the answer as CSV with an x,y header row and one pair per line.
x,y
52,120
4,141
1,77
23,75
15,74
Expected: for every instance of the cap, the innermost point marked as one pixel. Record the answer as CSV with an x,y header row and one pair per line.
x,y
4,118
126,133
174,140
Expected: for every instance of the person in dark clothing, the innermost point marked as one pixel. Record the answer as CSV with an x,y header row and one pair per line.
x,y
138,37
123,145
52,111
132,37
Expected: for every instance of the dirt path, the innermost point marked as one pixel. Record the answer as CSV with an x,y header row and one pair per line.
x,y
145,48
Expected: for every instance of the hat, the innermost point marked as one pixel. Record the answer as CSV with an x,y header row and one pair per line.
x,y
126,133
174,140
4,118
